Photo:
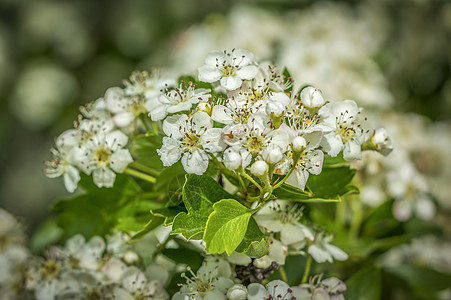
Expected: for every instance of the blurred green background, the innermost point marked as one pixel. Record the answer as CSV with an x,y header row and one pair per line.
x,y
58,55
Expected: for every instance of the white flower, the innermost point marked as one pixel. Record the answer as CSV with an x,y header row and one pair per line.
x,y
206,284
88,254
345,121
321,250
280,216
150,86
230,68
379,141
136,286
410,191
177,100
64,160
276,289
104,154
125,109
193,137
312,98
331,288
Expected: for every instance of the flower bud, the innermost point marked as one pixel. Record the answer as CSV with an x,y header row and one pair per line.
x,y
237,292
130,257
232,159
272,154
312,98
275,111
259,168
382,141
299,144
205,107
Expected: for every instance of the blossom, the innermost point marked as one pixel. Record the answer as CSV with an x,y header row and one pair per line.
x,y
230,68
312,98
321,250
346,134
276,289
136,286
177,100
279,216
125,109
193,137
103,155
206,284
331,288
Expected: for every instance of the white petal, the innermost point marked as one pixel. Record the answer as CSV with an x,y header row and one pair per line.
x,y
201,121
123,119
104,177
71,178
278,287
336,252
195,162
172,125
256,291
159,112
232,159
352,151
281,98
291,234
212,140
222,114
402,209
242,57
214,57
316,161
269,222
179,107
120,159
425,208
170,152
319,254
298,178
231,82
209,74
113,99
247,72
116,139
332,144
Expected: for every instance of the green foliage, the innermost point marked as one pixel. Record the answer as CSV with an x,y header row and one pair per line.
x,y
226,226
254,243
199,194
329,186
424,282
99,210
364,285
288,79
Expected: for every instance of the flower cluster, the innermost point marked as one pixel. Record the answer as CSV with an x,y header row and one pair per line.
x,y
97,144
253,120
93,270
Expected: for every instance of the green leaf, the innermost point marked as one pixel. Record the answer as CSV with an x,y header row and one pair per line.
x,y
380,221
329,186
168,213
364,285
95,211
199,194
424,281
48,233
154,222
226,226
254,243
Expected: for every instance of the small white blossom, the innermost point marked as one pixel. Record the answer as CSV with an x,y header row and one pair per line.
x,y
103,155
344,119
276,289
191,137
321,250
228,68
259,168
312,98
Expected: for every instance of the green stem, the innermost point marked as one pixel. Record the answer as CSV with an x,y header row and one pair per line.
x,y
140,175
144,121
144,168
222,167
295,162
307,268
357,217
283,274
252,180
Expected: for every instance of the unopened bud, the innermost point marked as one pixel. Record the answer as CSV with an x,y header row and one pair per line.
x,y
130,257
259,168
312,98
272,154
299,144
237,292
232,159
275,111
